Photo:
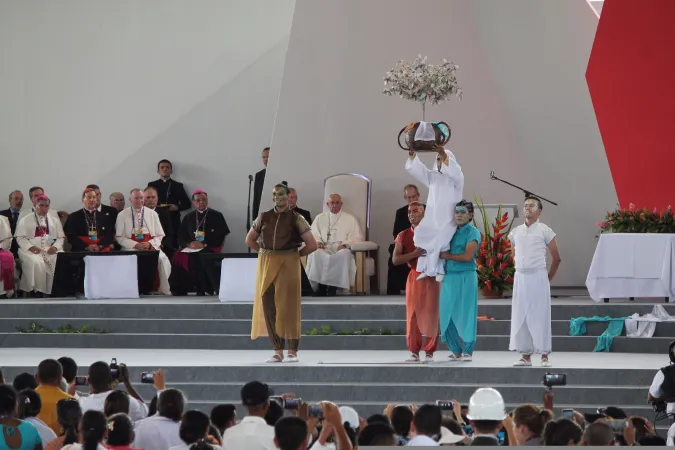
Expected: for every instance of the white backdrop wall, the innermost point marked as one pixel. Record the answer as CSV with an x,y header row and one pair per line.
x,y
98,92
526,112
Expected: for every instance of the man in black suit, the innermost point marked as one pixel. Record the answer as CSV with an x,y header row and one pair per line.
x,y
88,229
171,196
293,202
108,211
397,275
150,201
258,185
12,213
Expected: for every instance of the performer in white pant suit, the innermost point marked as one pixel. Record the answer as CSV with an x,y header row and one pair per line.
x,y
40,237
445,183
138,229
531,304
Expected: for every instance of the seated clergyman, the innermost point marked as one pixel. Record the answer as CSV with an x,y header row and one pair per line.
x,y
138,229
333,266
40,237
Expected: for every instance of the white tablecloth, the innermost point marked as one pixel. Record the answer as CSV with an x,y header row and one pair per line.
x,y
633,265
237,279
110,277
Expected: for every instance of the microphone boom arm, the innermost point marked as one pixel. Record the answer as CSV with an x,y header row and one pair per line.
x,y
525,191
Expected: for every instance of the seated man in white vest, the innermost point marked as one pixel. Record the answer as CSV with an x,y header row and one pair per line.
x,y
138,229
333,266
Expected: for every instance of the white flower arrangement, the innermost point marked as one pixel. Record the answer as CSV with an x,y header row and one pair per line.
x,y
422,82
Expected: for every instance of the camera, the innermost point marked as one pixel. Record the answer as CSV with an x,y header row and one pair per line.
x,y
147,377
445,405
554,379
289,403
81,380
568,414
617,425
114,369
659,406
316,411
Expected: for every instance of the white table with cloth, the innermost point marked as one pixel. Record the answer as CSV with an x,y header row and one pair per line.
x,y
628,265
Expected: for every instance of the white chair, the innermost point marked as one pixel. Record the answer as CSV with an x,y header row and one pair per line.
x,y
355,190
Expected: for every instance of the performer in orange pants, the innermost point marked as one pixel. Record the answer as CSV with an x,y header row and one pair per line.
x,y
421,296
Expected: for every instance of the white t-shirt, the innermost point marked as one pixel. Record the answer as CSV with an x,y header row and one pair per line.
x,y
96,402
252,433
530,244
422,441
157,433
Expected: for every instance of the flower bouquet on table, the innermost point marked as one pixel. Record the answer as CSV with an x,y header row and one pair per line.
x,y
422,82
633,220
494,262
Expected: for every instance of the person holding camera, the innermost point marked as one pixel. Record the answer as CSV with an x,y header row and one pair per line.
x,y
101,380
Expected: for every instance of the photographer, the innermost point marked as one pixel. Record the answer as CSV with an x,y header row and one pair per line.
x,y
662,389
101,385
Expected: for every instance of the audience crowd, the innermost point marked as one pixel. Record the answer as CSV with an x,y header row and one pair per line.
x,y
49,410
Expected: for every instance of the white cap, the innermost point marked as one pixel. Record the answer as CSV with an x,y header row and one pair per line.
x,y
350,416
486,404
448,437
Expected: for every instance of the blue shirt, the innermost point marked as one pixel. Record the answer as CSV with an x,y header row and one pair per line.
x,y
458,244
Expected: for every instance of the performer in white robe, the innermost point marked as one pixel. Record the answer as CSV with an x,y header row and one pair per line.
x,y
531,304
138,229
6,258
39,237
333,263
434,233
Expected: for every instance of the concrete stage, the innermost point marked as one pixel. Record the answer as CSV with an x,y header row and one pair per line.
x,y
204,346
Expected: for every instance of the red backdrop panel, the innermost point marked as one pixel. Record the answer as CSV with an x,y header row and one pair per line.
x,y
631,78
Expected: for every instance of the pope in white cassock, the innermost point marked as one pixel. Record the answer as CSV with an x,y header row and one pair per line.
x,y
138,229
333,263
39,237
433,234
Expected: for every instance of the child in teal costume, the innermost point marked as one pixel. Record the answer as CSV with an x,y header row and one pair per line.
x,y
459,291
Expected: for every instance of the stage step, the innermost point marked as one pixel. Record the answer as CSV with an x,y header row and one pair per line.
x,y
370,388
348,308
243,326
655,345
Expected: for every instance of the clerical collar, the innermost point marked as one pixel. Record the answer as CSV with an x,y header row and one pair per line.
x,y
202,212
334,215
90,211
168,179
14,211
137,211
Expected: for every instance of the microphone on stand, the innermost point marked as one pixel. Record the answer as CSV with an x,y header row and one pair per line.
x,y
525,191
248,207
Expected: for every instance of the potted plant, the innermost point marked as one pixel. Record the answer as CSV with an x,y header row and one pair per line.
x,y
494,262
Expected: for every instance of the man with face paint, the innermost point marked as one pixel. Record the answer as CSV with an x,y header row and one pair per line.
x,y
531,304
445,184
277,236
421,296
459,291
40,237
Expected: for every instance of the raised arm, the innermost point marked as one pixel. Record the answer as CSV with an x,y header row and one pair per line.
x,y
451,168
418,170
